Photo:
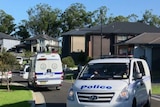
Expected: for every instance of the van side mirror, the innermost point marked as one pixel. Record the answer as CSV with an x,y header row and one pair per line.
x,y
139,76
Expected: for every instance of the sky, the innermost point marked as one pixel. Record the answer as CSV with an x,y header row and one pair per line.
x,y
18,8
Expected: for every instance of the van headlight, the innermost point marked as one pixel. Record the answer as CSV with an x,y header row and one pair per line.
x,y
71,95
124,94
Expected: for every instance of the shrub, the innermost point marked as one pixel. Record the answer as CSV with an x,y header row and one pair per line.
x,y
68,61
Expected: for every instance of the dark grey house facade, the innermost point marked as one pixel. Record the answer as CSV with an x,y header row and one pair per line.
x,y
99,42
119,38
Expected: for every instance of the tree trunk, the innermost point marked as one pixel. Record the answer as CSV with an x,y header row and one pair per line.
x,y
8,87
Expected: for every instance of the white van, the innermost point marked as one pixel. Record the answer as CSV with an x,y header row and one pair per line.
x,y
112,82
46,71
25,71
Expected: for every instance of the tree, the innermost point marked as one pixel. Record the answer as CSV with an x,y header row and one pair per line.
x,y
7,63
6,23
22,31
132,18
120,18
99,16
75,17
44,20
150,19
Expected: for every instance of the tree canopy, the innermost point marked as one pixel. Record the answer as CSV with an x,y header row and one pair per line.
x,y
43,19
6,23
76,16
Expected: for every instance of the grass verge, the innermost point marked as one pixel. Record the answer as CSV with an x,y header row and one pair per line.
x,y
17,97
156,89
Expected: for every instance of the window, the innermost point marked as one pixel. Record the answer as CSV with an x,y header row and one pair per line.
x,y
106,70
141,67
121,38
135,70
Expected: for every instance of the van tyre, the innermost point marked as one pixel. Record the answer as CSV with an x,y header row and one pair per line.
x,y
148,104
134,104
58,87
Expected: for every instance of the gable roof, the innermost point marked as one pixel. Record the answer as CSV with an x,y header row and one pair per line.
x,y
133,28
145,38
45,37
127,28
74,32
5,36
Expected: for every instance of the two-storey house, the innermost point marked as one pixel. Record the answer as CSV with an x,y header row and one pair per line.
x,y
42,43
7,42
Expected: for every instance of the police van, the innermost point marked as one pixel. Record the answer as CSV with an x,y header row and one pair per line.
x,y
45,71
112,82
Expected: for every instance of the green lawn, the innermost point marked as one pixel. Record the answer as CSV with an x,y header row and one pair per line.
x,y
17,97
156,89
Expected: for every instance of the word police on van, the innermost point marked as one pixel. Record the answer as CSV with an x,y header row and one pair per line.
x,y
95,87
112,82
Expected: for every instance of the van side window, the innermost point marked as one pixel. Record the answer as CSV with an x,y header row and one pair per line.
x,y
27,69
135,70
141,68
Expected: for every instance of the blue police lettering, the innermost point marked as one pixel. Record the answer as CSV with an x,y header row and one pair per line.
x,y
95,87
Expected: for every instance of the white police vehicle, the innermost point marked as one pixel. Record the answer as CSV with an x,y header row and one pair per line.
x,y
45,71
112,82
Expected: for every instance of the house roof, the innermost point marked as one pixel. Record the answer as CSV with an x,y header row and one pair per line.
x,y
77,32
5,36
127,28
46,37
134,28
145,38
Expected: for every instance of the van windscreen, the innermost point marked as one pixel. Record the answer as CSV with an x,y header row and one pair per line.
x,y
105,71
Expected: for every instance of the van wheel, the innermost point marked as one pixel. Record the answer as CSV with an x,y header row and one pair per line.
x,y
58,87
148,104
134,104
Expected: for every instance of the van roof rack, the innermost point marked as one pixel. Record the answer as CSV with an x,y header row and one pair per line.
x,y
116,56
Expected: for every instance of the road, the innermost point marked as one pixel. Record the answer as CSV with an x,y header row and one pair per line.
x,y
57,98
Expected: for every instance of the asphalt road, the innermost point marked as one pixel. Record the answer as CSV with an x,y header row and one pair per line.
x,y
57,98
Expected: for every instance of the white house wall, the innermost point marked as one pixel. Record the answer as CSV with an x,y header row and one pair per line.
x,y
8,44
42,44
50,42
